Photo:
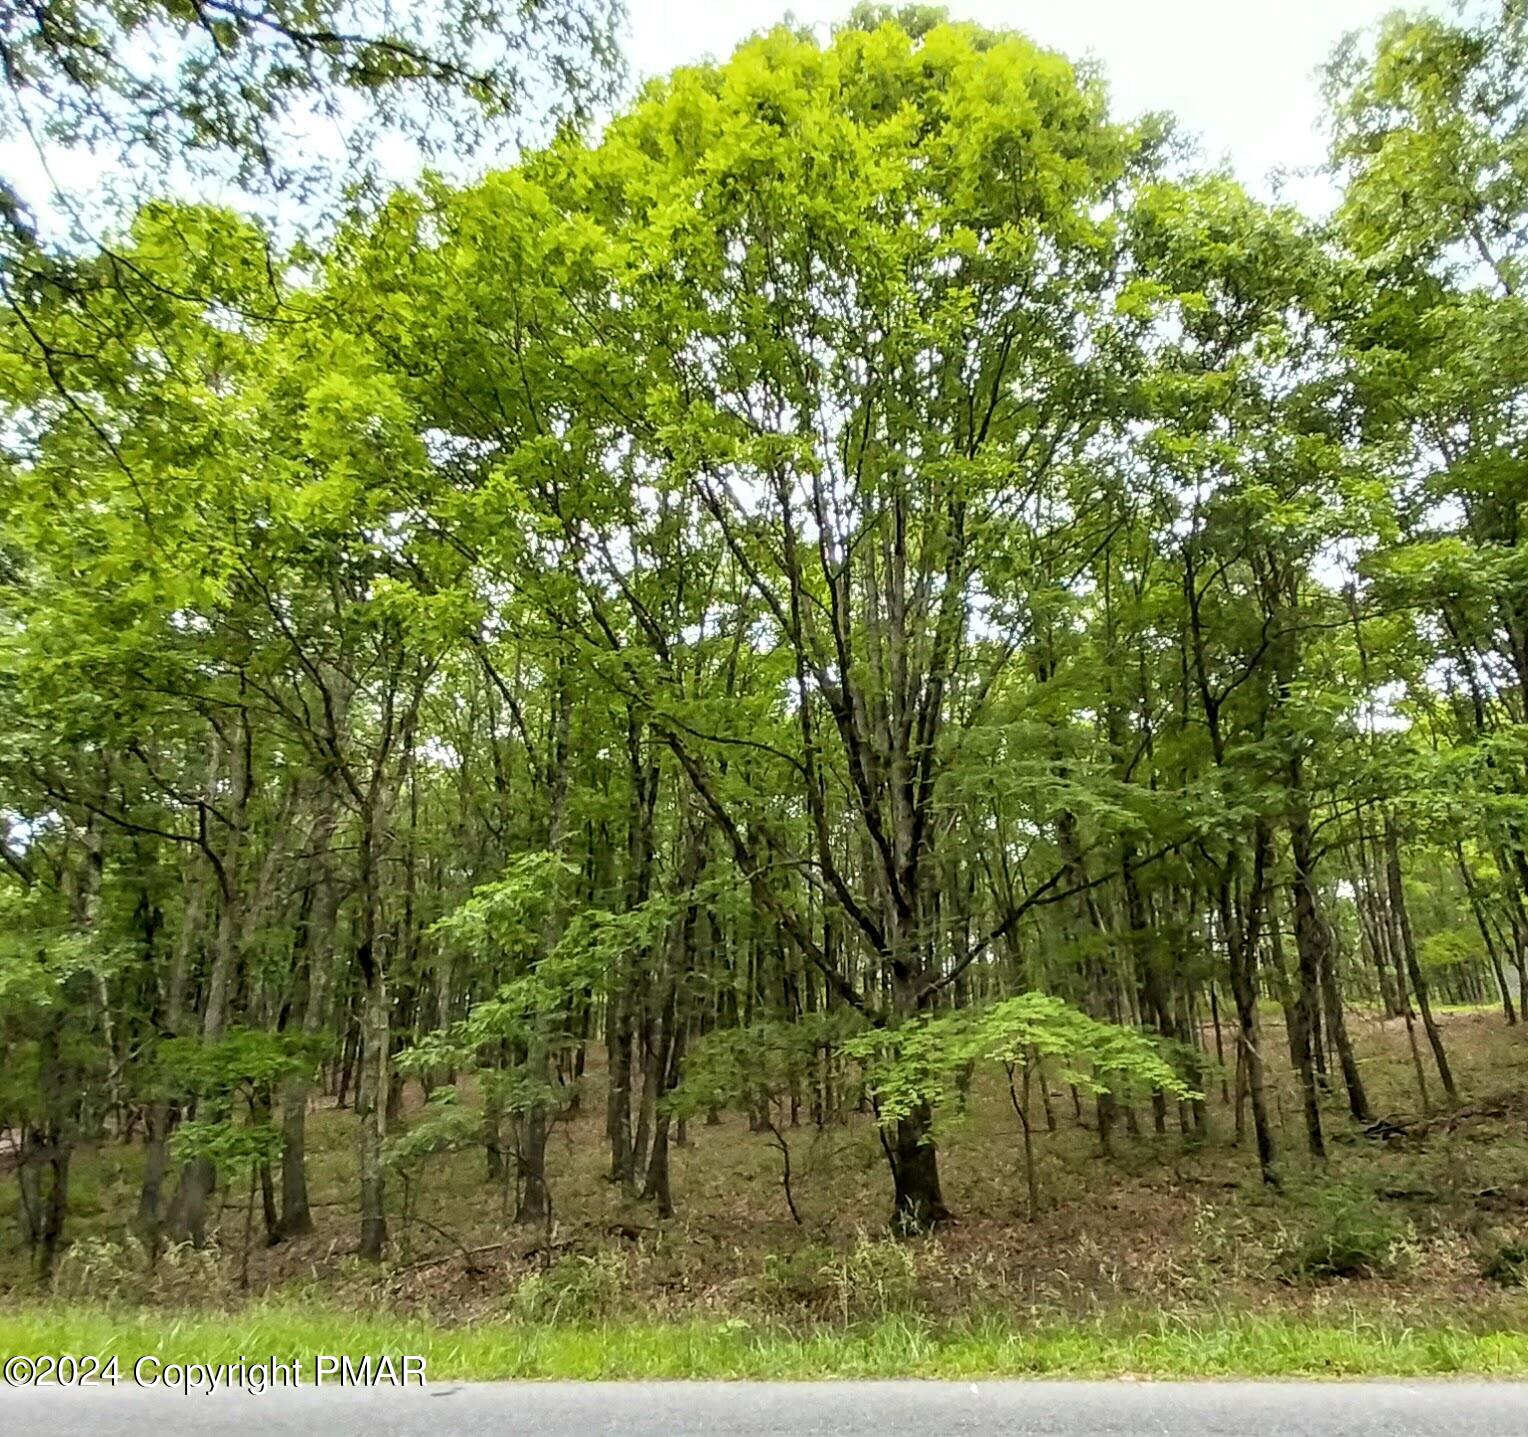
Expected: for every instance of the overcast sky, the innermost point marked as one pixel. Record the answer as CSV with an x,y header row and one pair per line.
x,y
1239,73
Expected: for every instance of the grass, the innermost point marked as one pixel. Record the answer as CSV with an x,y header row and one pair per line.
x,y
1208,1344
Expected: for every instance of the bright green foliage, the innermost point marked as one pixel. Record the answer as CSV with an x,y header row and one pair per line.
x,y
927,1061
229,1079
757,1067
866,574
505,925
1092,1054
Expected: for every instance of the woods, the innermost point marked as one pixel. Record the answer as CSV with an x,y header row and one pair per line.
x,y
865,574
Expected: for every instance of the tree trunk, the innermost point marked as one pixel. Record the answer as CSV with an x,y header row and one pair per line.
x,y
1312,941
1337,1026
917,1203
371,1104
197,1177
618,1093
1413,967
1478,909
534,1205
161,1115
1242,925
318,944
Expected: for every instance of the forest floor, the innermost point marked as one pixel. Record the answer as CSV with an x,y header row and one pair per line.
x,y
1408,1255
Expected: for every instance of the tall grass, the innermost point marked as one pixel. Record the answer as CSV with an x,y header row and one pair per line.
x,y
1200,1344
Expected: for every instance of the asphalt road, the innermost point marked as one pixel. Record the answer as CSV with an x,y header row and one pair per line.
x,y
761,1409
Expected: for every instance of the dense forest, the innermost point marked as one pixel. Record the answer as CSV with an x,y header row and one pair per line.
x,y
864,574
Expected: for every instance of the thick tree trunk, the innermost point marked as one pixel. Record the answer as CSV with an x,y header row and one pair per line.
x,y
156,1161
47,1148
268,1210
43,1177
656,1187
917,1203
162,1114
534,1206
618,1093
296,1216
647,1098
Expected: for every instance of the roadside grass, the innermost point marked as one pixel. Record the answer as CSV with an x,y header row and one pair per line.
x,y
1209,1344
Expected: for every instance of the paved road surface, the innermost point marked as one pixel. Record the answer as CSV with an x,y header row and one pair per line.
x,y
761,1409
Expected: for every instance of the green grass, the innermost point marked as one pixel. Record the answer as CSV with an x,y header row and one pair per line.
x,y
1210,1344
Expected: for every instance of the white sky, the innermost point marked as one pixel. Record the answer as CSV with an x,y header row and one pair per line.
x,y
1238,73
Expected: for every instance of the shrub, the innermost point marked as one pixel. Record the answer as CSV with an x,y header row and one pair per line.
x,y
1347,1234
873,1279
575,1288
1507,1263
877,1277
93,1266
798,1279
90,1266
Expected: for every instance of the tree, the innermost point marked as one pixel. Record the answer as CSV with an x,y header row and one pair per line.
x,y
222,86
857,392
1428,138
